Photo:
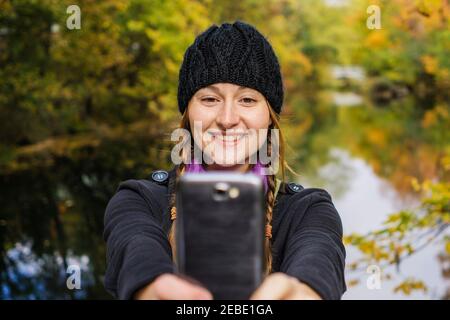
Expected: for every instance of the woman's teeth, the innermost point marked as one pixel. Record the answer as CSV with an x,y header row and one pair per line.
x,y
229,138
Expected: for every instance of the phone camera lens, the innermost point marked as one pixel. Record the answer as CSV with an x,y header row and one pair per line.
x,y
221,191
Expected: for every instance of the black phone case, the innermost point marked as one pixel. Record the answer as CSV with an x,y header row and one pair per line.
x,y
220,239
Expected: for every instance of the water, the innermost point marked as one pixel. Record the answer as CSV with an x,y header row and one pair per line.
x,y
363,206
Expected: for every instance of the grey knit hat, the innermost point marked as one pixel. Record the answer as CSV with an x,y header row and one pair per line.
x,y
234,53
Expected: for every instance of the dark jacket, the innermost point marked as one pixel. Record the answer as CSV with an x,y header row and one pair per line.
x,y
306,238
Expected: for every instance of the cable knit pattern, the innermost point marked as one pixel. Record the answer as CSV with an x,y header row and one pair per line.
x,y
234,53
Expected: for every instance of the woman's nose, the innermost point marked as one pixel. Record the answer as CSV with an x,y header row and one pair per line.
x,y
227,116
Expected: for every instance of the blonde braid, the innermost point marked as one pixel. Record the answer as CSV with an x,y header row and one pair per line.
x,y
173,209
173,213
270,202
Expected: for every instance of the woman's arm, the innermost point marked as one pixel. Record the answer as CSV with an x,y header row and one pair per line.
x,y
314,252
138,251
314,256
137,248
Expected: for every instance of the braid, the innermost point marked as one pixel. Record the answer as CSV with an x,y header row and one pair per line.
x,y
269,212
173,211
270,202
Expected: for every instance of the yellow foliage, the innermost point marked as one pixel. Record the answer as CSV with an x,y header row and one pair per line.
x,y
352,283
429,119
376,39
303,61
376,137
446,162
410,285
430,64
443,77
415,184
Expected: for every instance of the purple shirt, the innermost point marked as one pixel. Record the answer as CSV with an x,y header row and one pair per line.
x,y
257,169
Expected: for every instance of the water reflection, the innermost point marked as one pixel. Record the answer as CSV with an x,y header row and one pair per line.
x,y
29,276
364,200
52,216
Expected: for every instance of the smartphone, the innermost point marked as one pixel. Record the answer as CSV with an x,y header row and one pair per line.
x,y
220,232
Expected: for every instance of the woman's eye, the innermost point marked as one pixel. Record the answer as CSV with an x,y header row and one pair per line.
x,y
209,100
248,100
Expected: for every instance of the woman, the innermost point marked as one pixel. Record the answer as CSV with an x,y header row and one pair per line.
x,y
230,83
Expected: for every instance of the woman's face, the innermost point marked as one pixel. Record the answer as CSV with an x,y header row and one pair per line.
x,y
231,117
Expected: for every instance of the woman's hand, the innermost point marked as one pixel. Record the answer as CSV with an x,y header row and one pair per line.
x,y
171,287
280,286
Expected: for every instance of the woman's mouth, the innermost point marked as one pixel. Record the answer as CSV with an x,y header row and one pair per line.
x,y
228,140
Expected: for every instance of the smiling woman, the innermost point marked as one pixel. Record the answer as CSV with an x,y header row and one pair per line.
x,y
233,117
230,86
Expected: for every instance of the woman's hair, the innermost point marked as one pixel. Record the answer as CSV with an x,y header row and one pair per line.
x,y
270,194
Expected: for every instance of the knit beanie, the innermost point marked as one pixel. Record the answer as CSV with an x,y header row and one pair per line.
x,y
233,53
